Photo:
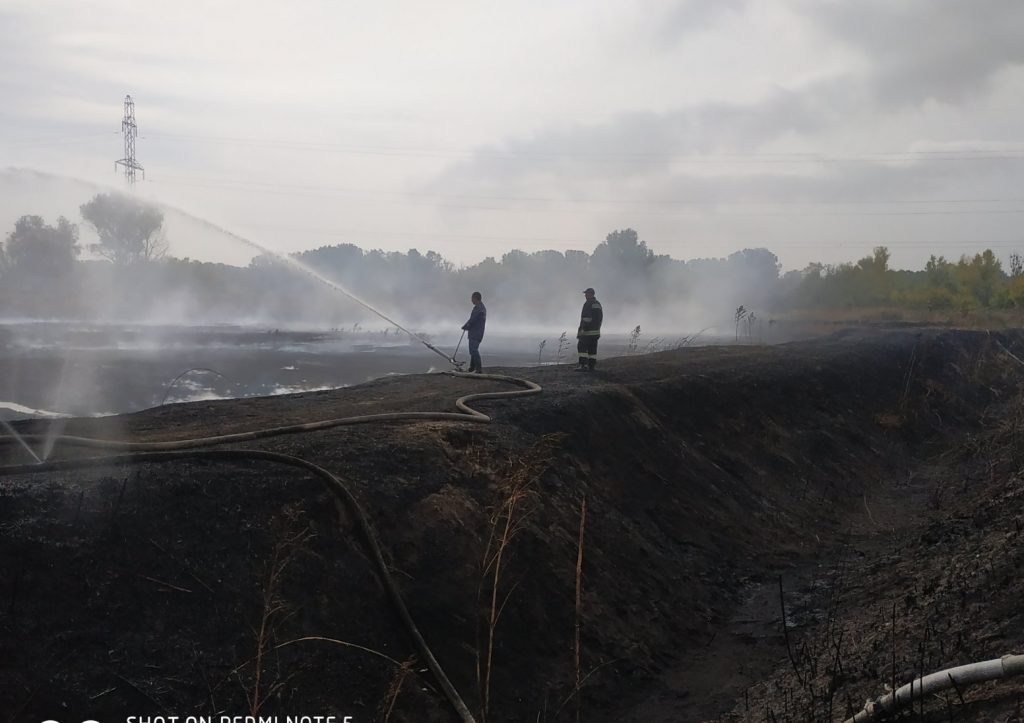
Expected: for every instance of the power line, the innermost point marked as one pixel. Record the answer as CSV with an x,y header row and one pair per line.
x,y
58,140
676,156
601,156
268,186
711,211
536,241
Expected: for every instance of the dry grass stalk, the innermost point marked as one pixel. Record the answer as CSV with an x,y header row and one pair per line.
x,y
293,538
397,680
579,608
507,520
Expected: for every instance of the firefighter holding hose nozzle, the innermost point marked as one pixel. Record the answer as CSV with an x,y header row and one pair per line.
x,y
474,329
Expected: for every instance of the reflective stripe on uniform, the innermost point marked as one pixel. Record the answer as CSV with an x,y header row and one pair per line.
x,y
595,332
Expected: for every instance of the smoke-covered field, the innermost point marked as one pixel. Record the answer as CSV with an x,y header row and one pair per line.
x,y
62,368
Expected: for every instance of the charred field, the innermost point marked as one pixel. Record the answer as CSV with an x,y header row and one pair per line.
x,y
865,486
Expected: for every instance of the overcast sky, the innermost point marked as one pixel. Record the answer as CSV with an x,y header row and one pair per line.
x,y
817,129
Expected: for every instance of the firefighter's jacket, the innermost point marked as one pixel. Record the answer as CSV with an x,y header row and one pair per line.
x,y
590,320
477,321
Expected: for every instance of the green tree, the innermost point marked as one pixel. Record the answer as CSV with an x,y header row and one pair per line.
x,y
873,279
1016,266
756,271
129,230
41,251
439,262
622,250
939,273
979,276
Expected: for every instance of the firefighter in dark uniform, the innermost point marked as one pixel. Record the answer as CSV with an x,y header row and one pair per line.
x,y
589,332
474,329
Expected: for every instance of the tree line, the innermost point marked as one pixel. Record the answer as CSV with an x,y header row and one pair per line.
x,y
129,275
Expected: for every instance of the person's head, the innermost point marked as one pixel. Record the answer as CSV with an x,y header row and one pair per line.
x,y
476,298
589,293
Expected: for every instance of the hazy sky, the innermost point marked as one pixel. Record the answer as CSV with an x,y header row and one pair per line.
x,y
818,129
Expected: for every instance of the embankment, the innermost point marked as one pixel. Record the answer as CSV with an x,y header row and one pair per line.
x,y
708,474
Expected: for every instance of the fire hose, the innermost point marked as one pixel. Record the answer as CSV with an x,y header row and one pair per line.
x,y
176,450
1004,667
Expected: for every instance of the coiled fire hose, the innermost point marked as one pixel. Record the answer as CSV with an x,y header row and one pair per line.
x,y
177,450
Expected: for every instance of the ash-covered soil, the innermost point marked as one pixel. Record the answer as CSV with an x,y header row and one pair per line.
x,y
869,471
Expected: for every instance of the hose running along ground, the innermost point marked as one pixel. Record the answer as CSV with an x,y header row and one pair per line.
x,y
958,677
177,450
467,414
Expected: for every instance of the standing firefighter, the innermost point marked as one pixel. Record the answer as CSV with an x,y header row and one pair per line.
x,y
474,329
589,332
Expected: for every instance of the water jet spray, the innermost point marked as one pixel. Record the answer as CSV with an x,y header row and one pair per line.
x,y
22,442
292,261
174,381
263,249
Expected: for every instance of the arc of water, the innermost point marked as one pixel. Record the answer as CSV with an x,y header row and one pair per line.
x,y
295,263
22,442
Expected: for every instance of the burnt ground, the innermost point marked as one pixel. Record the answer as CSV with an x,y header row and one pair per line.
x,y
876,474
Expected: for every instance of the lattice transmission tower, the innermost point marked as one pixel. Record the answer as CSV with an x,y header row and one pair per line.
x,y
130,131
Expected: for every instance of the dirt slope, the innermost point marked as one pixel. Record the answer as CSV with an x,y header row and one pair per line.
x,y
708,474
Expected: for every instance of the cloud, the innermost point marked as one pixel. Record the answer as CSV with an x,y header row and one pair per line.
x,y
685,17
920,50
639,144
258,115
